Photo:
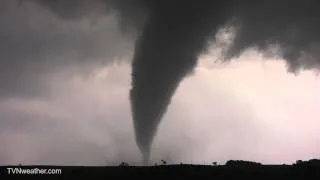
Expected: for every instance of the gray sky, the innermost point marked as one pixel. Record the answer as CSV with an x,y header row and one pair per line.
x,y
64,100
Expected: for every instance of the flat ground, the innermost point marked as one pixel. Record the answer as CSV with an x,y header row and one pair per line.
x,y
233,169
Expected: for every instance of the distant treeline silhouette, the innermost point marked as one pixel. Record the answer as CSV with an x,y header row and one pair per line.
x,y
242,163
311,162
239,163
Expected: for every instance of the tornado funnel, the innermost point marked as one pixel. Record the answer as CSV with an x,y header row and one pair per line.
x,y
165,53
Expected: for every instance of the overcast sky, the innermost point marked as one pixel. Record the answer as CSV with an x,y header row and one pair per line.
x,y
64,100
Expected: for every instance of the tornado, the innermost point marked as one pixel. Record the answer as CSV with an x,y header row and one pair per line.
x,y
166,51
176,33
172,34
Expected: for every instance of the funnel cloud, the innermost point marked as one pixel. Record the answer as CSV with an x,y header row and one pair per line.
x,y
172,34
165,53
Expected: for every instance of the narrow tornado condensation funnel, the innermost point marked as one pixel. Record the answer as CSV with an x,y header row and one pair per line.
x,y
165,53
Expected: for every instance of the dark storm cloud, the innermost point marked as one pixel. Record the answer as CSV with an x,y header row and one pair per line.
x,y
294,25
33,41
174,33
131,14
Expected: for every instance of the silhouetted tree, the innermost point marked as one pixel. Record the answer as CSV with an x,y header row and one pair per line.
x,y
314,162
299,161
